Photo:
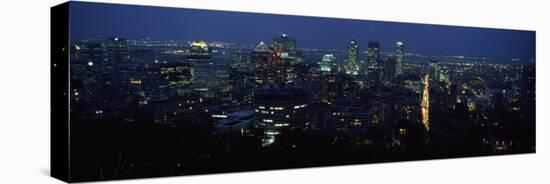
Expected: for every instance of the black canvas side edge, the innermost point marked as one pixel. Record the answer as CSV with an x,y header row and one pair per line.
x,y
59,86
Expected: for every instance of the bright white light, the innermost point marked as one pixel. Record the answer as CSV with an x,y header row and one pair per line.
x,y
219,116
90,63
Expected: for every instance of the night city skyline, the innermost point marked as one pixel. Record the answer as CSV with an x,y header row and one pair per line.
x,y
170,91
137,22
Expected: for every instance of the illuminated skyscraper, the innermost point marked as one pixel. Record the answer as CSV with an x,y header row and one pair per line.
x,y
399,53
285,45
352,67
327,62
261,58
286,59
374,64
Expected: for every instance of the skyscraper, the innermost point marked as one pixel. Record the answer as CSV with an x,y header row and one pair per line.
x,y
399,53
390,70
373,53
285,45
326,63
262,57
374,64
352,68
287,58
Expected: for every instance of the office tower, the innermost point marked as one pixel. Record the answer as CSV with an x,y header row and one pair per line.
x,y
327,62
117,54
285,45
281,108
399,54
210,78
374,64
179,76
261,57
352,67
87,61
373,53
287,60
331,87
390,70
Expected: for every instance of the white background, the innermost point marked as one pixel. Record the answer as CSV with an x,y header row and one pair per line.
x,y
25,101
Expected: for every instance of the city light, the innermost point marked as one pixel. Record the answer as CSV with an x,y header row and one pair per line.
x,y
231,98
426,103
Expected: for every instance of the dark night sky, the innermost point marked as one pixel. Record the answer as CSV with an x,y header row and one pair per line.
x,y
90,20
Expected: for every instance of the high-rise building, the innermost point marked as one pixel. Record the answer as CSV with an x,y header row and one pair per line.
x,y
179,76
280,108
390,70
373,53
327,62
399,54
117,54
374,64
285,45
352,67
286,59
262,57
155,87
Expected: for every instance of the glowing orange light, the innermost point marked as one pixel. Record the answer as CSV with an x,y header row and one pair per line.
x,y
277,55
